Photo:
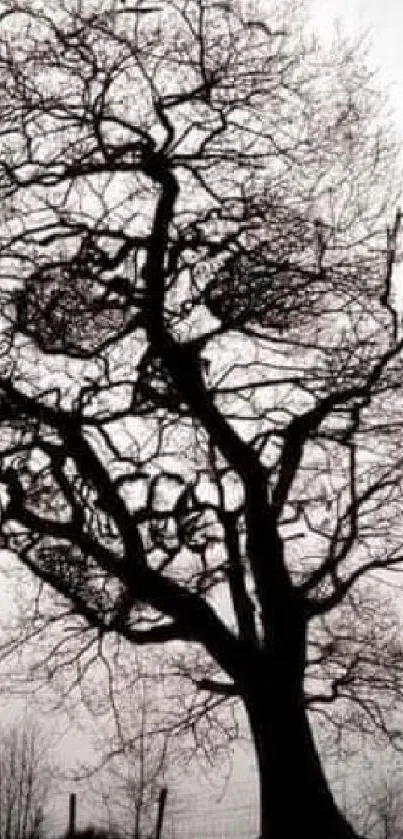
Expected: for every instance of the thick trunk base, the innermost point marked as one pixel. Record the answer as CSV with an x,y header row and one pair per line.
x,y
295,799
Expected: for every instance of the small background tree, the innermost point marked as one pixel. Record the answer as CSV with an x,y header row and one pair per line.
x,y
25,780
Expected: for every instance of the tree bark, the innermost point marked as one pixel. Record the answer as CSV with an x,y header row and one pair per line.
x,y
295,798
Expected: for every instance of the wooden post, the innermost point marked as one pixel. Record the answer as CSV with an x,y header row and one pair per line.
x,y
72,815
161,808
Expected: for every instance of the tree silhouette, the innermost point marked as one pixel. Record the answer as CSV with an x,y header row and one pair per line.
x,y
201,368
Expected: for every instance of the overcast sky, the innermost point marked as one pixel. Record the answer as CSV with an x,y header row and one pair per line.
x,y
383,19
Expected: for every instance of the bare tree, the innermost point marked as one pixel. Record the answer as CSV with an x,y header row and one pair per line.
x,y
134,759
200,397
24,781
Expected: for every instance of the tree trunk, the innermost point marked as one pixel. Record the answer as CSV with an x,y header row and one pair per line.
x,y
295,799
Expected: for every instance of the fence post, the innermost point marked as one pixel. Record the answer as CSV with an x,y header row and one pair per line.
x,y
72,815
161,809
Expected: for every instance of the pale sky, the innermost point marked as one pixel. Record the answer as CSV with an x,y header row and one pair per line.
x,y
383,19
